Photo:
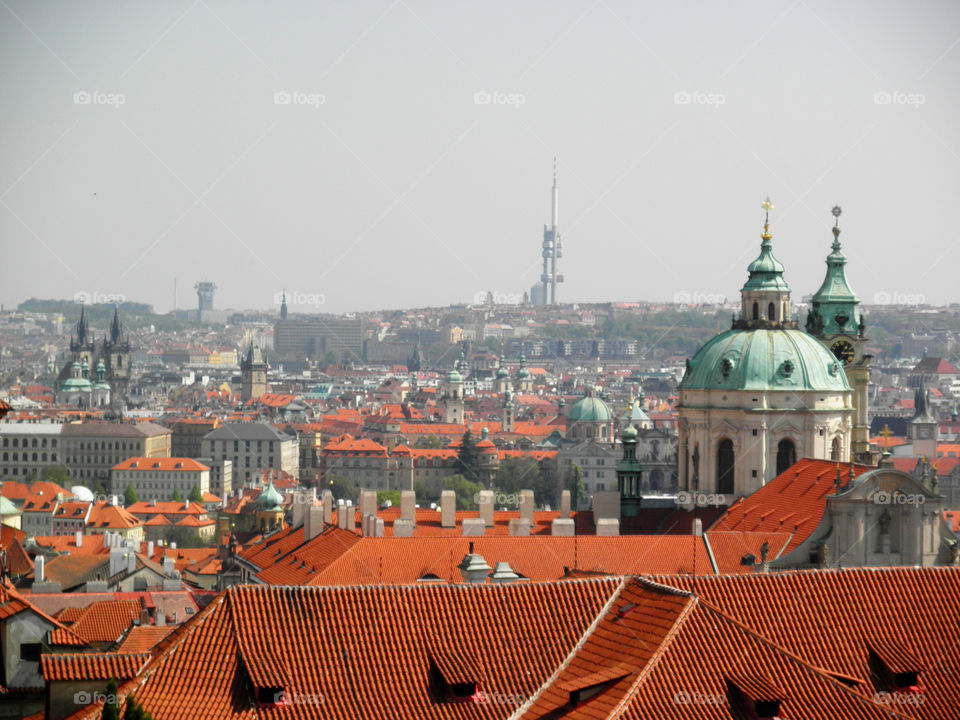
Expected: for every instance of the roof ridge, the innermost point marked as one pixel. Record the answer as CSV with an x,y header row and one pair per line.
x,y
595,623
692,602
818,671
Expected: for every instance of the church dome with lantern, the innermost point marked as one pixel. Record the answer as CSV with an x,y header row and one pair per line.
x,y
761,395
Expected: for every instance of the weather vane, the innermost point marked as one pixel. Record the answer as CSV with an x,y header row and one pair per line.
x,y
767,206
837,212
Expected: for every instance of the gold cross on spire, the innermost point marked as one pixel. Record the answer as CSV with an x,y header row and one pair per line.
x,y
886,433
766,206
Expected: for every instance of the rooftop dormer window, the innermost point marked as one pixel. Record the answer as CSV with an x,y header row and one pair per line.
x,y
754,695
454,677
894,667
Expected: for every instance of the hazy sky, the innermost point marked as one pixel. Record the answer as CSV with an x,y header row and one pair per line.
x,y
382,179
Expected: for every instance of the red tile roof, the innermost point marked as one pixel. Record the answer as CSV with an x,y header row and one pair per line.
x,y
143,638
104,621
169,464
793,502
91,666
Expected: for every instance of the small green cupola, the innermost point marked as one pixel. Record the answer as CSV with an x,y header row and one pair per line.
x,y
270,499
629,474
765,297
834,307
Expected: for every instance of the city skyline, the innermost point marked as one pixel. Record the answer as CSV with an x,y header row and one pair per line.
x,y
196,140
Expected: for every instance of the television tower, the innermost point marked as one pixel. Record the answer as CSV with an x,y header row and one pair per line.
x,y
552,249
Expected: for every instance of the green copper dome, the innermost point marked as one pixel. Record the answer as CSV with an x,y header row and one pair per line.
x,y
762,359
454,377
766,272
502,371
590,409
270,499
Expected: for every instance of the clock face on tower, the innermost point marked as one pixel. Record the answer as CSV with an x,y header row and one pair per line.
x,y
843,351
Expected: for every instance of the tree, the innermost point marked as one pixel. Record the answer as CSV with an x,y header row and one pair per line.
x,y
195,494
176,495
135,711
130,496
392,495
429,442
111,707
186,538
467,455
58,475
465,490
575,485
342,487
99,490
516,474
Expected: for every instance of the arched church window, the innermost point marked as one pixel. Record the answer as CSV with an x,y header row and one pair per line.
x,y
756,311
725,466
835,449
771,312
786,455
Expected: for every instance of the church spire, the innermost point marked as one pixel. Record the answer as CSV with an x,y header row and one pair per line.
x,y
765,297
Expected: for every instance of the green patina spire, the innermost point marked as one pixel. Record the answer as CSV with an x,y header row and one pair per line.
x,y
766,272
835,304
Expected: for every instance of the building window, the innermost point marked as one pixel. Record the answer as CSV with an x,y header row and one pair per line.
x,y
30,652
725,466
786,455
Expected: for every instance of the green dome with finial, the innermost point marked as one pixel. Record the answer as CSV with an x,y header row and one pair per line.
x,y
590,409
270,499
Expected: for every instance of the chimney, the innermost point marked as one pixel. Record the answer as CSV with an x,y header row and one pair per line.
x,y
408,505
473,527
565,504
562,527
169,567
341,513
365,521
106,539
349,517
485,505
314,521
377,526
173,546
519,527
448,509
368,502
608,527
79,538
186,504
402,528
161,618
131,561
38,569
473,568
526,506
697,527
503,574
150,549
327,503
299,503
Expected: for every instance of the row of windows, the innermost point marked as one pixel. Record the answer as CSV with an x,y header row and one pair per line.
x,y
34,457
104,445
13,442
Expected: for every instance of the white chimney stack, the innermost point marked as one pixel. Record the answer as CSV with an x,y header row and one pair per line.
x,y
79,538
150,549
38,569
448,509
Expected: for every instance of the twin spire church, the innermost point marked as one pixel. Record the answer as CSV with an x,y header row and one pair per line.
x,y
765,393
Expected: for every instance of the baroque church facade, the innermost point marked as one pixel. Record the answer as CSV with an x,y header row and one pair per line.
x,y
95,376
765,393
